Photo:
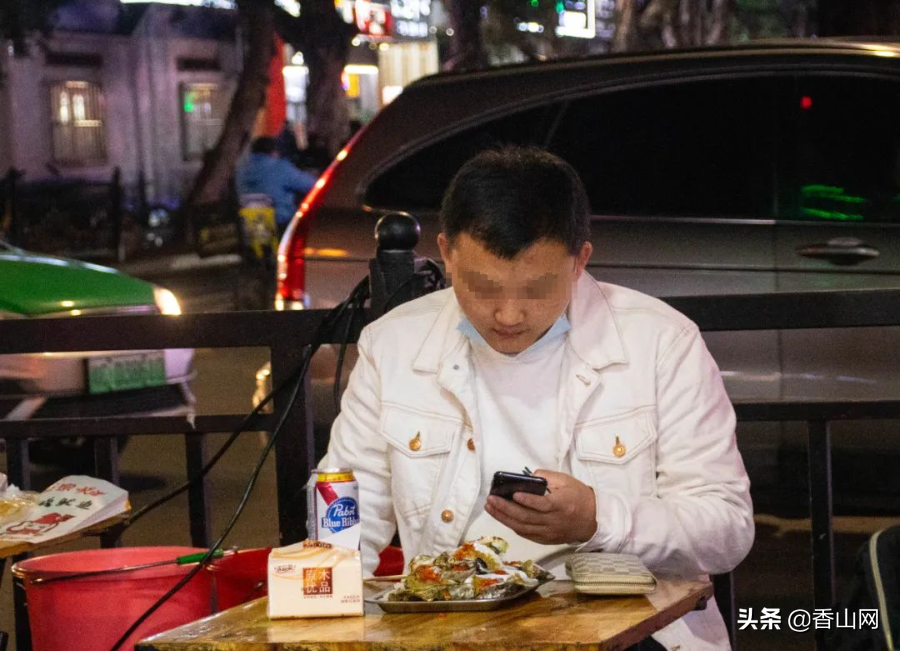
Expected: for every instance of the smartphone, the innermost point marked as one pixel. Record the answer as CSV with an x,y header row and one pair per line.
x,y
507,483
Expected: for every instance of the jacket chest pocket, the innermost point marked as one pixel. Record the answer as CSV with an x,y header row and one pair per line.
x,y
420,446
619,452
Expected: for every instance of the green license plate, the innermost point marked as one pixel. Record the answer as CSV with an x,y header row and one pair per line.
x,y
124,372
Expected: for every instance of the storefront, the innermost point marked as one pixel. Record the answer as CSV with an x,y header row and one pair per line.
x,y
395,46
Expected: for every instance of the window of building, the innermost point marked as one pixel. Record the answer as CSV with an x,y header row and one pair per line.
x,y
203,108
78,129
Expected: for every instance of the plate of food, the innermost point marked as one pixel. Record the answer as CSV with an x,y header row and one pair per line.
x,y
472,577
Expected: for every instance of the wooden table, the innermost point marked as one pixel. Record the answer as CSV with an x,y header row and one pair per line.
x,y
555,619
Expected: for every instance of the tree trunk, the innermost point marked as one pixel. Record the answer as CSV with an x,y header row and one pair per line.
x,y
625,37
325,43
467,49
691,19
720,15
257,22
671,23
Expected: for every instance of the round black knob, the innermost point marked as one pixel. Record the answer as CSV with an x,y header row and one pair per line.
x,y
397,230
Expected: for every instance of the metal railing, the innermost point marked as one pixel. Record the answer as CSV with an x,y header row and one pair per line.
x,y
63,215
286,334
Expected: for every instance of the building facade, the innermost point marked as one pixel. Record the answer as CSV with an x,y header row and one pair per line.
x,y
143,88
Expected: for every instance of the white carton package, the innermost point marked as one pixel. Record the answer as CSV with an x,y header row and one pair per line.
x,y
315,578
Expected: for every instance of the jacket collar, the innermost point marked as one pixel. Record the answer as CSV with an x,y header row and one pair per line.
x,y
594,336
443,338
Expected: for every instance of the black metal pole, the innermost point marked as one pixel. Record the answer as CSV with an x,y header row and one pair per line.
x,y
4,637
392,279
18,468
115,207
106,466
198,493
16,231
294,456
18,464
20,611
820,507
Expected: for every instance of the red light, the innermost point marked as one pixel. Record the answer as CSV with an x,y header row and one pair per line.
x,y
291,277
806,102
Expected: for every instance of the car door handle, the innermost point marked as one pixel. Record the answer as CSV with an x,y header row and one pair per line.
x,y
841,251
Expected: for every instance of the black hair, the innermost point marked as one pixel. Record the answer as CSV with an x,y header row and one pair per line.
x,y
264,145
508,199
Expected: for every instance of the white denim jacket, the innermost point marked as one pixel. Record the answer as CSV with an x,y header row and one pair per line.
x,y
634,370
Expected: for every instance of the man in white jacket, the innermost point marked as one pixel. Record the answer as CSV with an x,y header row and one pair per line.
x,y
529,362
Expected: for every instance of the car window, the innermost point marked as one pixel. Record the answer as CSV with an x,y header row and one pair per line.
x,y
418,182
847,163
692,149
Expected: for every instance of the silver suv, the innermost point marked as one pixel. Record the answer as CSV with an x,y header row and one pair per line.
x,y
751,169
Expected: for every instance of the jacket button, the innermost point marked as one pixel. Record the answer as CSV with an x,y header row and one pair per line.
x,y
619,448
471,444
415,443
447,515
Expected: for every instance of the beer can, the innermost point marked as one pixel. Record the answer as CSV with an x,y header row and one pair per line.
x,y
332,502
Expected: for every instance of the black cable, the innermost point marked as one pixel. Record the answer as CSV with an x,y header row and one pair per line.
x,y
335,315
245,424
326,324
203,562
355,300
342,351
431,272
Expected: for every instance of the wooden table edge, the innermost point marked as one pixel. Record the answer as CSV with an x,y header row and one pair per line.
x,y
694,600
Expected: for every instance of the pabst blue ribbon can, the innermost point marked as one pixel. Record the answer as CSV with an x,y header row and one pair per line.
x,y
332,502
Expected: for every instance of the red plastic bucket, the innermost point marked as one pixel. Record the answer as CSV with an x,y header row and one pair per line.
x,y
390,562
91,613
241,577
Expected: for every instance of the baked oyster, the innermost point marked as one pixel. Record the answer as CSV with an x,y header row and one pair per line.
x,y
474,570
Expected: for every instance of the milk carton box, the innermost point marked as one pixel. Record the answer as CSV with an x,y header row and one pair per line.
x,y
315,578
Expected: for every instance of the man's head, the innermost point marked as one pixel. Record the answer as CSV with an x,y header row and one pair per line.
x,y
265,145
514,239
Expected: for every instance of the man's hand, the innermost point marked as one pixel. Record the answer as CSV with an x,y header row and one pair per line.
x,y
567,514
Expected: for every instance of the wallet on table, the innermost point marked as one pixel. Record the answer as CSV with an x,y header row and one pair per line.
x,y
605,573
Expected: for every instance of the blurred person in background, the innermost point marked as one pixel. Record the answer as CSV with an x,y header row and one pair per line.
x,y
265,172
